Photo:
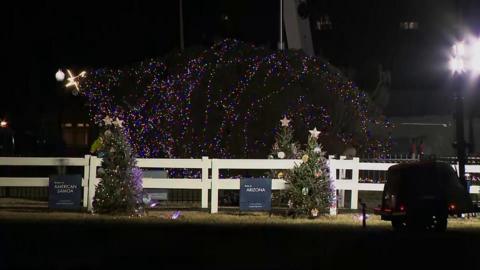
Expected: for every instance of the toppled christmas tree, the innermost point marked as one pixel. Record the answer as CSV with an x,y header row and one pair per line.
x,y
310,189
218,102
120,188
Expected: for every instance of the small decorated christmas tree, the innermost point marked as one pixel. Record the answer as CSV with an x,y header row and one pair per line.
x,y
310,189
120,187
284,147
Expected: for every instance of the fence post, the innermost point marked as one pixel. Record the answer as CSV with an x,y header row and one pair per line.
x,y
457,168
355,173
343,172
86,180
214,188
92,181
333,178
205,166
341,193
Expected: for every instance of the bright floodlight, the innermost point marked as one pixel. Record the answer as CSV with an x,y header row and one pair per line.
x,y
456,65
465,57
475,57
3,124
459,49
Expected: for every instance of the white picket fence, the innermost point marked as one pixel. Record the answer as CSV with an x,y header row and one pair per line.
x,y
210,175
167,183
43,181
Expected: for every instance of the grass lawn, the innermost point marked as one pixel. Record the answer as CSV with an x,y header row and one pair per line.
x,y
26,210
34,238
225,217
189,217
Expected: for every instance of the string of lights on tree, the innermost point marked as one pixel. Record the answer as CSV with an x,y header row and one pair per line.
x,y
215,102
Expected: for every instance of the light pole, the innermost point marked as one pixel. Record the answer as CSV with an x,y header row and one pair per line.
x,y
460,129
180,8
281,44
464,64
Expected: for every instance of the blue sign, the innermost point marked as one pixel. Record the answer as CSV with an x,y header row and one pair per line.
x,y
255,194
65,192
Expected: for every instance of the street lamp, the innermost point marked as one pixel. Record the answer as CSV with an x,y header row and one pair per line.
x,y
465,60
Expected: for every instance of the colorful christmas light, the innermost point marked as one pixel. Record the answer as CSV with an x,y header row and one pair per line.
x,y
183,110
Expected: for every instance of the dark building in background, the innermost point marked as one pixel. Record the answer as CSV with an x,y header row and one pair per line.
x,y
398,51
403,37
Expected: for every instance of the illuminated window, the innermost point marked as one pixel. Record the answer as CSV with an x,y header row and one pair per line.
x,y
324,23
75,135
409,25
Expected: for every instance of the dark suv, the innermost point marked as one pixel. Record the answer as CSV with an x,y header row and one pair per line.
x,y
421,195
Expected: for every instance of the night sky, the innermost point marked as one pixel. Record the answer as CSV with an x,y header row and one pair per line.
x,y
42,36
